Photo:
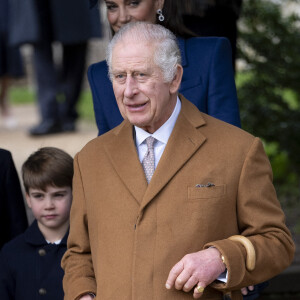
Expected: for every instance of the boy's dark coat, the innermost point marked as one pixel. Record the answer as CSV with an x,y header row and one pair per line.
x,y
30,267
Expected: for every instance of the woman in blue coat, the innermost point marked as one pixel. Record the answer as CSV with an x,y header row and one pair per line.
x,y
208,78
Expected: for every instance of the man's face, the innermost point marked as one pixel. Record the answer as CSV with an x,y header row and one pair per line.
x,y
142,95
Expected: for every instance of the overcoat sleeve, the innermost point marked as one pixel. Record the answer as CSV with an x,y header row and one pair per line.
x,y
262,221
77,262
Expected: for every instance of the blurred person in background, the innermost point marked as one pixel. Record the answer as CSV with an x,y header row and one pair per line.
x,y
10,66
71,23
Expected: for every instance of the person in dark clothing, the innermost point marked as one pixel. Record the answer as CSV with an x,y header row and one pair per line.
x,y
30,263
13,218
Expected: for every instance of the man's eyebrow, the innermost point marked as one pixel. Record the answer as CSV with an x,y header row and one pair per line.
x,y
143,70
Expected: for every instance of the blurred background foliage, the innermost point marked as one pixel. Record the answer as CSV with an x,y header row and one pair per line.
x,y
268,85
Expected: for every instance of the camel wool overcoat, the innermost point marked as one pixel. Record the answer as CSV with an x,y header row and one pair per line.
x,y
125,235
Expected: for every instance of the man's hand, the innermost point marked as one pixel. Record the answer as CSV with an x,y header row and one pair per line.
x,y
199,268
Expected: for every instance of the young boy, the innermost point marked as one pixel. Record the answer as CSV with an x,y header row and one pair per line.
x,y
30,264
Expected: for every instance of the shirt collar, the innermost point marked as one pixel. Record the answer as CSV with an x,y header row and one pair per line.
x,y
163,133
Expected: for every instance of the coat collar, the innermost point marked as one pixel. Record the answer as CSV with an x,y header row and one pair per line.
x,y
34,236
184,141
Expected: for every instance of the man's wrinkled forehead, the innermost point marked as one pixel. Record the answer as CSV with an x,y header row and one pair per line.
x,y
130,49
133,37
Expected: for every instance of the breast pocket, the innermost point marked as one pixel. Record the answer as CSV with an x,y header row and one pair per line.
x,y
201,214
197,193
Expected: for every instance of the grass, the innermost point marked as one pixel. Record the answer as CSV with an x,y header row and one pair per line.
x,y
25,95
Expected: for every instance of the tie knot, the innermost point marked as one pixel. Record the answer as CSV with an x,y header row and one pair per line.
x,y
150,142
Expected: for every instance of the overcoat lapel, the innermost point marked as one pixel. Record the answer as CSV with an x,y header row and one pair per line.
x,y
123,154
184,141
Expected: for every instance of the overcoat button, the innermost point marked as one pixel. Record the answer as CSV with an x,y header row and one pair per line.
x,y
42,291
42,252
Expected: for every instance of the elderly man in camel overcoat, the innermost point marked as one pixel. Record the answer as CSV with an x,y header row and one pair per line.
x,y
171,204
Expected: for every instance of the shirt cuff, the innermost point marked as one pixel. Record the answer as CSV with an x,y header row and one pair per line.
x,y
223,277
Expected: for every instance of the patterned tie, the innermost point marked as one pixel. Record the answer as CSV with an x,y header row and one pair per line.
x,y
148,160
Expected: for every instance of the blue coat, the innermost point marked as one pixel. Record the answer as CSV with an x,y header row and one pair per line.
x,y
208,82
30,267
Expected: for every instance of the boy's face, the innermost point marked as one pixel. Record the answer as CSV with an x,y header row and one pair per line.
x,y
52,207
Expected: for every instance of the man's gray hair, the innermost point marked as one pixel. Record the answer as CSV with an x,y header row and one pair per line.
x,y
166,54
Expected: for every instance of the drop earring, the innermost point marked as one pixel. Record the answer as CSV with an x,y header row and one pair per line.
x,y
160,15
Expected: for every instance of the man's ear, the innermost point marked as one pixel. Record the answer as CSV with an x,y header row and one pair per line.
x,y
175,84
28,201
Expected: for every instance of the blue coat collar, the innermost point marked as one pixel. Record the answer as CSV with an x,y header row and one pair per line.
x,y
34,236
